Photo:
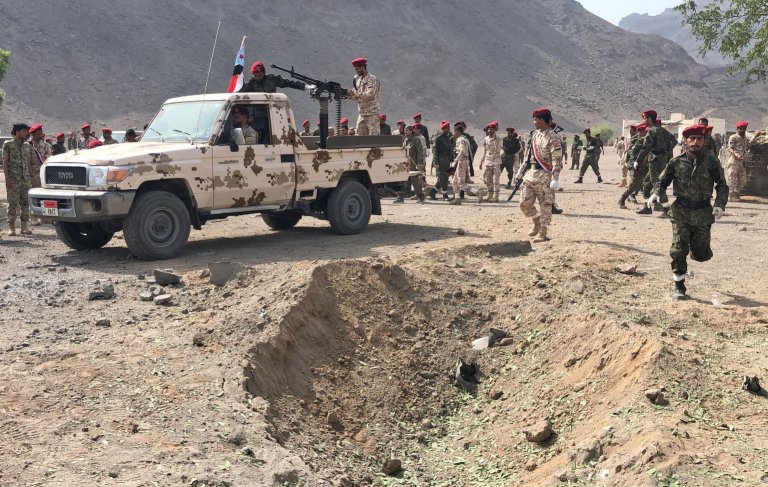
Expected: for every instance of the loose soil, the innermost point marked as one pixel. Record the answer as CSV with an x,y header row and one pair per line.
x,y
330,355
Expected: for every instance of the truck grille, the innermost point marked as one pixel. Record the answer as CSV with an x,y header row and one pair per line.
x,y
66,175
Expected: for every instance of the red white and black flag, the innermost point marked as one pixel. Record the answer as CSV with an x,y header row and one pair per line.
x,y
236,82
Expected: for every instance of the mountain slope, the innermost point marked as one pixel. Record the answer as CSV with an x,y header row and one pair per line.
x,y
471,60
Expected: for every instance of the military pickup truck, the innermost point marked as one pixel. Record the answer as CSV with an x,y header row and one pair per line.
x,y
193,165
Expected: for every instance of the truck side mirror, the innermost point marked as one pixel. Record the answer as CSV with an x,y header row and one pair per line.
x,y
237,140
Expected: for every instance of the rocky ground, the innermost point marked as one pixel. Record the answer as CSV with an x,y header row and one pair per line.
x,y
329,360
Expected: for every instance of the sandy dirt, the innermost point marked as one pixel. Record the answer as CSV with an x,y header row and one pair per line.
x,y
330,355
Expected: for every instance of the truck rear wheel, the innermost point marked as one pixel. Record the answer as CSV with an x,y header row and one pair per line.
x,y
83,236
349,208
157,226
281,220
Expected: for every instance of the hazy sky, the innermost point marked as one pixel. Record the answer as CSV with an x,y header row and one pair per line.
x,y
614,10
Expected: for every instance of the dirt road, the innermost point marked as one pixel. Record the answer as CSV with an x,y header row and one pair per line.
x,y
331,354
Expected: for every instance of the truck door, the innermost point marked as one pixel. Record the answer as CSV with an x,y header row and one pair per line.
x,y
244,177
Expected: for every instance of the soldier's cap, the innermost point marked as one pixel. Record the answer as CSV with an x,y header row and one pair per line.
x,y
382,117
460,123
493,124
742,124
360,61
511,130
541,113
587,131
649,113
400,122
697,129
94,143
305,123
59,135
416,115
19,126
35,128
106,130
257,67
445,123
85,126
344,121
48,139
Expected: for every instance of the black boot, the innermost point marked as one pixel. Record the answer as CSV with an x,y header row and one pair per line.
x,y
599,179
556,210
509,184
579,181
623,203
679,290
644,211
433,194
445,197
461,194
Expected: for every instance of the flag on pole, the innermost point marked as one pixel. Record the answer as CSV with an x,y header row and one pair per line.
x,y
236,82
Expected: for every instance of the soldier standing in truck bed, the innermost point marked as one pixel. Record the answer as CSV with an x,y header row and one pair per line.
x,y
261,82
366,93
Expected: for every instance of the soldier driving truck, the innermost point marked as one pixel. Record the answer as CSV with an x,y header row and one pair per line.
x,y
208,157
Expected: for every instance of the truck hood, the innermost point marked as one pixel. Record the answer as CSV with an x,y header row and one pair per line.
x,y
131,153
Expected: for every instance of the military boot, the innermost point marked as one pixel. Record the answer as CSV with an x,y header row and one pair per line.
x,y
622,203
445,197
495,198
536,227
542,236
633,198
679,290
11,229
455,201
398,200
580,180
509,184
481,196
658,207
461,194
556,210
433,194
623,183
24,229
644,211
599,179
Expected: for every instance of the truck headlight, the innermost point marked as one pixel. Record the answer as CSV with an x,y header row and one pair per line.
x,y
97,177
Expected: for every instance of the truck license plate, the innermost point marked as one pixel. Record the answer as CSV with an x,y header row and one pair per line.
x,y
50,208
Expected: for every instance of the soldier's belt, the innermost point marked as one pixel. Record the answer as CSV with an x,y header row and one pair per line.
x,y
690,204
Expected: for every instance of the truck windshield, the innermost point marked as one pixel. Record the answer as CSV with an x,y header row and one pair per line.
x,y
178,122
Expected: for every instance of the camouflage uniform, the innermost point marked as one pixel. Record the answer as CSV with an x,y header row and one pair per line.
x,y
591,157
691,213
492,163
416,164
655,149
19,161
462,165
385,129
576,153
442,157
511,146
111,141
41,151
366,93
636,176
735,170
536,180
269,84
58,148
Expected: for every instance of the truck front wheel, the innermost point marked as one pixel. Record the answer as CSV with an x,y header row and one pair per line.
x,y
349,208
282,220
83,236
157,227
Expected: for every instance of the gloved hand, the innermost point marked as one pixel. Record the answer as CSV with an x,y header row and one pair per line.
x,y
653,199
553,185
309,88
636,165
717,212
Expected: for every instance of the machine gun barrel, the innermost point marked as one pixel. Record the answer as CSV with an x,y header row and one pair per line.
x,y
333,88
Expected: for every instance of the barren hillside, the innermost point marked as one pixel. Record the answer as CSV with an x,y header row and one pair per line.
x,y
115,62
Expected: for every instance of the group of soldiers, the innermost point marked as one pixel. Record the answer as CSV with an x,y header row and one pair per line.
x,y
24,155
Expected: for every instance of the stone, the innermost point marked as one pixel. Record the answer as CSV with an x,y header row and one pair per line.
x,y
103,322
166,277
333,419
102,291
426,423
628,269
461,231
656,396
538,432
223,272
576,287
579,386
163,299
377,266
496,394
146,296
505,342
391,466
587,451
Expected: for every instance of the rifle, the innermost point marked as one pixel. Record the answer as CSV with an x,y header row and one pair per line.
x,y
557,129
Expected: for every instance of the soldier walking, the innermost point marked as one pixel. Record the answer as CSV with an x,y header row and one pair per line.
x,y
492,161
694,174
576,146
442,157
510,147
540,182
637,169
416,165
655,148
460,163
735,170
592,148
17,159
366,94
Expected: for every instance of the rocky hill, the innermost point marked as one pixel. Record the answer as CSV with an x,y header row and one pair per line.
x,y
669,24
116,62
